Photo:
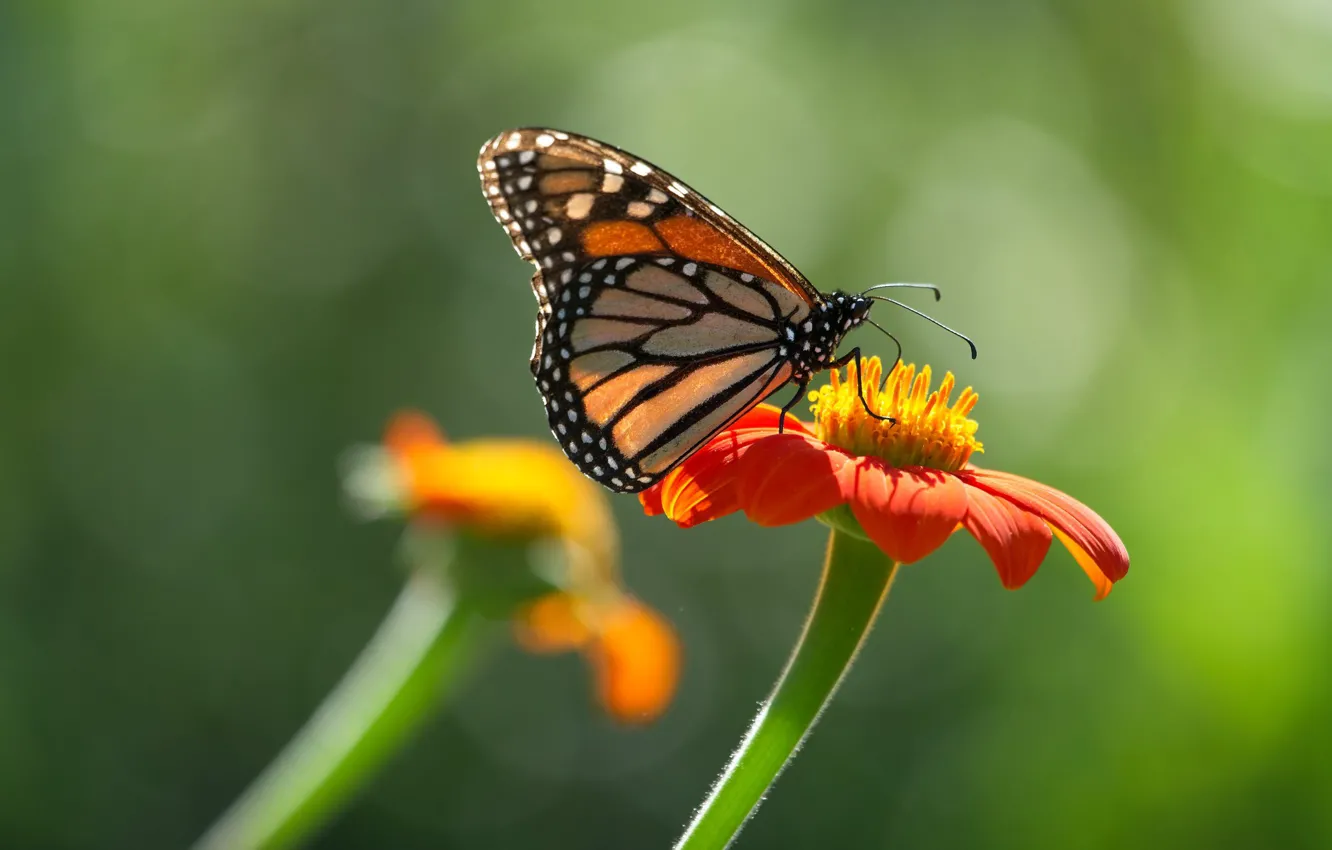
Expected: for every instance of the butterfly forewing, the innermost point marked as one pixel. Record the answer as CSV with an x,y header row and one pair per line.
x,y
564,199
660,320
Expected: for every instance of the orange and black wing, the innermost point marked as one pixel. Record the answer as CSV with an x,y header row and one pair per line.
x,y
647,358
565,200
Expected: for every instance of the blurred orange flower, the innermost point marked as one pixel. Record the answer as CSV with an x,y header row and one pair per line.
x,y
905,486
516,488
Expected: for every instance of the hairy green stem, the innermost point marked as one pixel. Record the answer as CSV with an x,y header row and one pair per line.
x,y
856,579
393,686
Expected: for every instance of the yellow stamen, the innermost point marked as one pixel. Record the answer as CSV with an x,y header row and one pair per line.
x,y
929,432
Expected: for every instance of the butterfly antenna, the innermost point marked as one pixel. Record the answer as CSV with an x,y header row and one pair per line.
x,y
929,319
896,342
931,287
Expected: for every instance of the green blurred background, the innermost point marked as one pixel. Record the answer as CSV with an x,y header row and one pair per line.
x,y
235,236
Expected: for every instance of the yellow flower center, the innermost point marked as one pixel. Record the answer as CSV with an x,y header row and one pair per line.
x,y
928,431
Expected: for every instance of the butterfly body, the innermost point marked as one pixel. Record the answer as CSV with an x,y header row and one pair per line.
x,y
660,319
813,344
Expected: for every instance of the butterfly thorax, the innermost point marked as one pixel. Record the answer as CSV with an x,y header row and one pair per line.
x,y
812,343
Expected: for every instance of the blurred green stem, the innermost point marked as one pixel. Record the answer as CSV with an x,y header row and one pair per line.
x,y
392,687
856,579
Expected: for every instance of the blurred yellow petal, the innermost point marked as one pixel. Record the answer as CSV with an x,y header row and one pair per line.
x,y
505,487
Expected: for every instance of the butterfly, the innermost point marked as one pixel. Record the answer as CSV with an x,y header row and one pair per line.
x,y
660,318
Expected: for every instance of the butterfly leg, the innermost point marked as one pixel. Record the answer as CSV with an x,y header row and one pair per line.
x,y
795,399
854,354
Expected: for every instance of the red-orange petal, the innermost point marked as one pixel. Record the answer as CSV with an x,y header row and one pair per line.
x,y
1103,584
704,486
787,478
1015,540
650,499
767,416
908,512
637,662
1094,544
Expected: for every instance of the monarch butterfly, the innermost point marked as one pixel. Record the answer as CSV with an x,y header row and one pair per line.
x,y
661,319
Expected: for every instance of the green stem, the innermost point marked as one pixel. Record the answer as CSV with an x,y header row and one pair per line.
x,y
395,683
856,579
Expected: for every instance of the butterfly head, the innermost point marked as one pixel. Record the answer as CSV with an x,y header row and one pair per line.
x,y
844,311
854,309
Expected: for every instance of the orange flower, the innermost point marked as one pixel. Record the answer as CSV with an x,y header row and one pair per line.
x,y
526,490
632,649
505,488
905,486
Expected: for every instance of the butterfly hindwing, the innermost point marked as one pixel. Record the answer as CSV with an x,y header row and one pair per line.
x,y
646,357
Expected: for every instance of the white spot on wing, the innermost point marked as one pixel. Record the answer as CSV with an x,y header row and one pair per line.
x,y
612,167
545,140
642,169
579,205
